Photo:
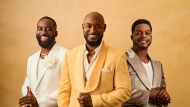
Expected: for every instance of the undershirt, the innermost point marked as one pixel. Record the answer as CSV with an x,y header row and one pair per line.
x,y
39,66
148,68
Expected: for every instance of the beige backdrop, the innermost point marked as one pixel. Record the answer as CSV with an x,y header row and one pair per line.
x,y
171,37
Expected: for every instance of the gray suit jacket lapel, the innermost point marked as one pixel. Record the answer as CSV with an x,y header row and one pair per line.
x,y
140,70
157,74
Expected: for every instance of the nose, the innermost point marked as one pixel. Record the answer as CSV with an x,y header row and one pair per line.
x,y
143,35
44,32
93,29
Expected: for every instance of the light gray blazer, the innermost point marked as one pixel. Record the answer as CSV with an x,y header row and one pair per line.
x,y
139,79
45,87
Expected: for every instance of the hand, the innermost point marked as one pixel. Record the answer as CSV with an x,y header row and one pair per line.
x,y
29,100
85,100
153,93
163,97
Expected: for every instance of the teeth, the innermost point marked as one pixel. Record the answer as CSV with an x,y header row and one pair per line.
x,y
43,38
143,41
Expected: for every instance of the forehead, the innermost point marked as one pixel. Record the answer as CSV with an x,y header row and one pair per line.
x,y
45,23
93,19
142,27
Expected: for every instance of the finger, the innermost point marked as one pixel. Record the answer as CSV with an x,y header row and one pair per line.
x,y
29,93
160,93
164,97
163,87
82,94
168,100
23,100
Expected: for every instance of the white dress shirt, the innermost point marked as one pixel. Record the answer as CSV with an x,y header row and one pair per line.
x,y
88,67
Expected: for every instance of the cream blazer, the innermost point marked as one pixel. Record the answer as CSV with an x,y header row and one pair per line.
x,y
45,88
141,85
109,83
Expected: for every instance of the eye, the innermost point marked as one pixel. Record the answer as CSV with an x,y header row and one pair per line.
x,y
98,26
48,28
87,26
39,28
138,33
148,33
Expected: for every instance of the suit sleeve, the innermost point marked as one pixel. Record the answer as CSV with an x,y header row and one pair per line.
x,y
141,96
138,96
163,78
122,85
27,81
64,86
48,100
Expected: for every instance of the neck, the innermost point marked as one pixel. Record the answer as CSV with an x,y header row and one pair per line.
x,y
45,51
142,54
91,49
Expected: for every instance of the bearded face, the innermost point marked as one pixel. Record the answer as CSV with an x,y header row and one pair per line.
x,y
46,33
45,41
93,40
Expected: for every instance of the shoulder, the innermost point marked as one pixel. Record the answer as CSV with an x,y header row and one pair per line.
x,y
75,50
34,55
114,53
114,50
62,49
154,60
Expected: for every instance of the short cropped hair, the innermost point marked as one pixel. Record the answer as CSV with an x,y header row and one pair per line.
x,y
47,17
140,21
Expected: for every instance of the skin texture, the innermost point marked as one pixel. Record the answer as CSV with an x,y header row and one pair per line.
x,y
29,100
45,35
93,29
142,38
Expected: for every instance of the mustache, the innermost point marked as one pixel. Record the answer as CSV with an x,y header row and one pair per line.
x,y
93,34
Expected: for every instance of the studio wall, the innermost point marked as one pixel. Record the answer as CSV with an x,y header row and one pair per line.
x,y
171,36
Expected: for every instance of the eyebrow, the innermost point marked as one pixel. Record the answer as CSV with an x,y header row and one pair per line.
x,y
145,30
45,27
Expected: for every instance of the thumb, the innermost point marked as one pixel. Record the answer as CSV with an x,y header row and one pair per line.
x,y
81,94
163,87
29,93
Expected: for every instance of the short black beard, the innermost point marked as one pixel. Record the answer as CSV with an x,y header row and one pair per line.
x,y
45,44
92,43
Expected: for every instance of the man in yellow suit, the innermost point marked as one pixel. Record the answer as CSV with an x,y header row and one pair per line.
x,y
94,74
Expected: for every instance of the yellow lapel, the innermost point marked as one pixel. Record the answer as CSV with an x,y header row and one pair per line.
x,y
96,72
79,69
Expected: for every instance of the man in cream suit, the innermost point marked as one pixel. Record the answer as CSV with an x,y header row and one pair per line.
x,y
44,68
94,74
147,76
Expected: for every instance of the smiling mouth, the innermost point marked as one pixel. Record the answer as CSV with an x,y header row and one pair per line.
x,y
142,41
93,36
44,38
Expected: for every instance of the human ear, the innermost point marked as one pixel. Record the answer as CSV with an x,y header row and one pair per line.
x,y
131,37
104,27
56,33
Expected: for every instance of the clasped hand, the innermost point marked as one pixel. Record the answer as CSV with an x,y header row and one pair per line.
x,y
85,100
159,95
29,100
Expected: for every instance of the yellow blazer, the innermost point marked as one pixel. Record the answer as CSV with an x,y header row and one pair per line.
x,y
109,83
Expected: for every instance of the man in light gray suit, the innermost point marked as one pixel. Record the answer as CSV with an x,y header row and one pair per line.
x,y
147,76
44,68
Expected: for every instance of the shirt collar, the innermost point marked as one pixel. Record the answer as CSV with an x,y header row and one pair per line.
x,y
97,50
